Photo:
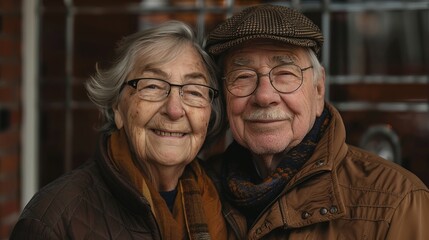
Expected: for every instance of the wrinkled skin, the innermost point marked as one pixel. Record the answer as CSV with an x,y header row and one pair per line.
x,y
267,122
165,136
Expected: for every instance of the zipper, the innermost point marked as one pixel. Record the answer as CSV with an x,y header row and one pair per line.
x,y
233,223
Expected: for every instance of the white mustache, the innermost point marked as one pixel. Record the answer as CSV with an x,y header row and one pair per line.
x,y
267,115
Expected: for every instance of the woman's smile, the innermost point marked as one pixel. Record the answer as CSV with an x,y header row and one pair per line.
x,y
165,133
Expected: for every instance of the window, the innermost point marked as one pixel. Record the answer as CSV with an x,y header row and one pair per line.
x,y
376,58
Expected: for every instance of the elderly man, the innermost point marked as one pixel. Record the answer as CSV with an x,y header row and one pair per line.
x,y
289,173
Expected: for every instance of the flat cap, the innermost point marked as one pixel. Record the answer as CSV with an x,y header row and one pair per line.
x,y
265,22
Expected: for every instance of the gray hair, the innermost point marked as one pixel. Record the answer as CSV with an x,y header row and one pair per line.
x,y
154,46
317,67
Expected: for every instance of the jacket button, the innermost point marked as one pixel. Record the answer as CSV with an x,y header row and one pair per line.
x,y
323,211
267,225
319,163
333,209
305,215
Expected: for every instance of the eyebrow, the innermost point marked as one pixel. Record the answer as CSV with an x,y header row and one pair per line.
x,y
187,77
196,76
280,59
241,61
284,59
155,71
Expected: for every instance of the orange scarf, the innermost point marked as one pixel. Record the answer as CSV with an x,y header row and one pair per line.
x,y
190,218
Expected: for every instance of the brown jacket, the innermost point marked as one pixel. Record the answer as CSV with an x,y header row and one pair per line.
x,y
92,202
342,192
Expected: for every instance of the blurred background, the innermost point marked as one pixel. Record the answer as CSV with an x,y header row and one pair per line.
x,y
376,56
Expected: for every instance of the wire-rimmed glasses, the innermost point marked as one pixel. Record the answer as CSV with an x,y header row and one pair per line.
x,y
285,78
192,94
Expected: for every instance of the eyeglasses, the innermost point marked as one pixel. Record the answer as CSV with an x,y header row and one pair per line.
x,y
192,94
285,78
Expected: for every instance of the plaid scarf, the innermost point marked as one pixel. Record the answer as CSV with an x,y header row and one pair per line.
x,y
190,219
251,194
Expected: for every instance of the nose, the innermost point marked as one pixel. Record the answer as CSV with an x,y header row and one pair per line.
x,y
265,94
173,106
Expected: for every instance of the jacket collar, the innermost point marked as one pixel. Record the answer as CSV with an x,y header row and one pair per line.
x,y
117,183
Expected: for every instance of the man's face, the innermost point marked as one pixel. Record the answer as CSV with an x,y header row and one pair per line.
x,y
268,122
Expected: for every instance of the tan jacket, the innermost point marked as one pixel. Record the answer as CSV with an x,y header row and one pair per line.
x,y
342,192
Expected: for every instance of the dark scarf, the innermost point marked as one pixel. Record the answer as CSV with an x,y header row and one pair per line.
x,y
251,194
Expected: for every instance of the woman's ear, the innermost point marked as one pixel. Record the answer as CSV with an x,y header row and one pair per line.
x,y
118,117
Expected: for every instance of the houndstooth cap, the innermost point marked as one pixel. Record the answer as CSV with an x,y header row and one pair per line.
x,y
265,22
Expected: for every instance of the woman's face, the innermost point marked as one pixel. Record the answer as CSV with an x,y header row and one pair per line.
x,y
166,133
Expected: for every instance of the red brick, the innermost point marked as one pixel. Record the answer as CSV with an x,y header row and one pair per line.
x,y
9,94
9,48
9,184
10,212
9,207
15,118
9,163
10,77
9,139
10,71
11,25
10,5
5,231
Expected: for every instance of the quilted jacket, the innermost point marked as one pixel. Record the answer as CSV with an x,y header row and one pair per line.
x,y
92,202
342,192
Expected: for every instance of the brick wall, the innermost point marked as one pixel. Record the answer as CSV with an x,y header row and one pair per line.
x,y
10,113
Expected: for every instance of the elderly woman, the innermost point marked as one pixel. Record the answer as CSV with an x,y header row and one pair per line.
x,y
159,102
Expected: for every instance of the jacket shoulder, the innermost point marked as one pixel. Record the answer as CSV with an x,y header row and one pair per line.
x,y
374,188
53,206
366,169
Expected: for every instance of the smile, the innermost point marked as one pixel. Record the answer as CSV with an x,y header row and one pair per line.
x,y
267,116
168,134
265,121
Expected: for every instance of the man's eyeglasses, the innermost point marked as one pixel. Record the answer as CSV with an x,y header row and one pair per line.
x,y
192,94
285,78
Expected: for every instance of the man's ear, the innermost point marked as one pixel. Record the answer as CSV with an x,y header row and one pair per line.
x,y
118,117
320,92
